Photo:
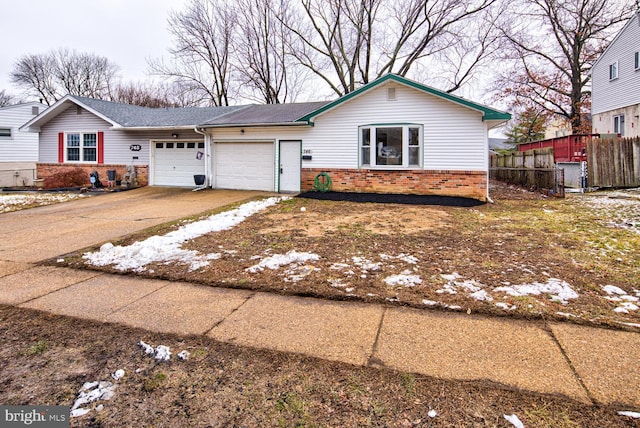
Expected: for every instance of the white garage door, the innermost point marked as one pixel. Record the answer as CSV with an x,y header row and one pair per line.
x,y
247,166
175,163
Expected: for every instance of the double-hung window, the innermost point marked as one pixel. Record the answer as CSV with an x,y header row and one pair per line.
x,y
81,147
618,124
613,71
391,146
5,133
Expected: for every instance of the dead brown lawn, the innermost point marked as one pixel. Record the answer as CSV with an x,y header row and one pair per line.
x,y
447,258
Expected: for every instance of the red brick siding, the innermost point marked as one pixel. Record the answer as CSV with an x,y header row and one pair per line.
x,y
46,170
471,184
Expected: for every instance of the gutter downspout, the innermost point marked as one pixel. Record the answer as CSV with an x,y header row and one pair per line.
x,y
207,159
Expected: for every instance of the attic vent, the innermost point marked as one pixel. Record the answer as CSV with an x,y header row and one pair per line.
x,y
35,110
391,94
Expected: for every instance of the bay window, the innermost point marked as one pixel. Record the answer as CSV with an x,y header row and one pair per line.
x,y
391,146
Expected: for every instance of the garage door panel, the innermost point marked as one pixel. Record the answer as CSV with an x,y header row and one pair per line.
x,y
175,164
247,166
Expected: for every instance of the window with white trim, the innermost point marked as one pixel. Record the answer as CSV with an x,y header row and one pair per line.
x,y
392,146
618,124
613,71
5,133
81,147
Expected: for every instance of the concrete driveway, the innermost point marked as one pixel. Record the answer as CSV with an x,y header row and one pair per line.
x,y
37,234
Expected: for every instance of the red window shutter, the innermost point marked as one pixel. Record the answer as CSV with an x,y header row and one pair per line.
x,y
100,147
60,147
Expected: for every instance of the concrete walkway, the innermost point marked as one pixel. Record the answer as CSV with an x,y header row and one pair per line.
x,y
587,364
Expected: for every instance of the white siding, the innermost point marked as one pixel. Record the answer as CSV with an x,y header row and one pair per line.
x,y
625,90
22,146
116,142
455,137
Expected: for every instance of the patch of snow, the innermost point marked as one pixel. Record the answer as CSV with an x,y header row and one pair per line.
x,y
365,264
184,355
481,295
405,279
339,266
612,289
18,201
412,260
630,324
278,260
429,302
161,352
506,306
566,314
336,283
90,392
559,290
514,420
60,261
119,374
432,413
168,247
634,415
625,307
349,289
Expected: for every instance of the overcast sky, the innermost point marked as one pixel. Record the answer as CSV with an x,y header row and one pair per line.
x,y
127,32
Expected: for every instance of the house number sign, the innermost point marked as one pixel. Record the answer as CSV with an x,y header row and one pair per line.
x,y
135,147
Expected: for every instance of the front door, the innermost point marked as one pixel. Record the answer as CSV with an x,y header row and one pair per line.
x,y
290,166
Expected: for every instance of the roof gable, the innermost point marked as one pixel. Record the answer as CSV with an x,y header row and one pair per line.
x,y
634,17
487,112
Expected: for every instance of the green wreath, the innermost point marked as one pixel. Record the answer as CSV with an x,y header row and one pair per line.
x,y
322,183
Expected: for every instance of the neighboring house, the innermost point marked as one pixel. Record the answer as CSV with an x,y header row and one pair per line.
x,y
557,127
615,77
18,149
391,136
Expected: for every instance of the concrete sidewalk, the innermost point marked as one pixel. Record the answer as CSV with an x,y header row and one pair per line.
x,y
587,364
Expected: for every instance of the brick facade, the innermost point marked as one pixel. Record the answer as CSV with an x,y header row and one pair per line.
x,y
470,184
46,170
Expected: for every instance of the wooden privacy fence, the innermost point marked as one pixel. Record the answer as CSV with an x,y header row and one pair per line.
x,y
538,158
613,162
533,169
546,180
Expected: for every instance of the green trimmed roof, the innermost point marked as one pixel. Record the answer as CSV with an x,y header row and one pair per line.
x,y
487,112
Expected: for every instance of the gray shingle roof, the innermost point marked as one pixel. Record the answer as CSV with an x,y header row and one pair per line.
x,y
265,114
130,116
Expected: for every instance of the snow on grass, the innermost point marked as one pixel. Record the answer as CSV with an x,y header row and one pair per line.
x,y
405,279
506,306
168,247
634,415
15,202
627,301
278,260
160,353
455,284
514,420
365,264
621,209
407,258
558,290
90,392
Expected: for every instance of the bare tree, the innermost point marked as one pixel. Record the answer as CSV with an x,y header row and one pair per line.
x,y
52,75
6,99
264,66
84,74
35,73
142,94
349,42
203,36
552,47
335,39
